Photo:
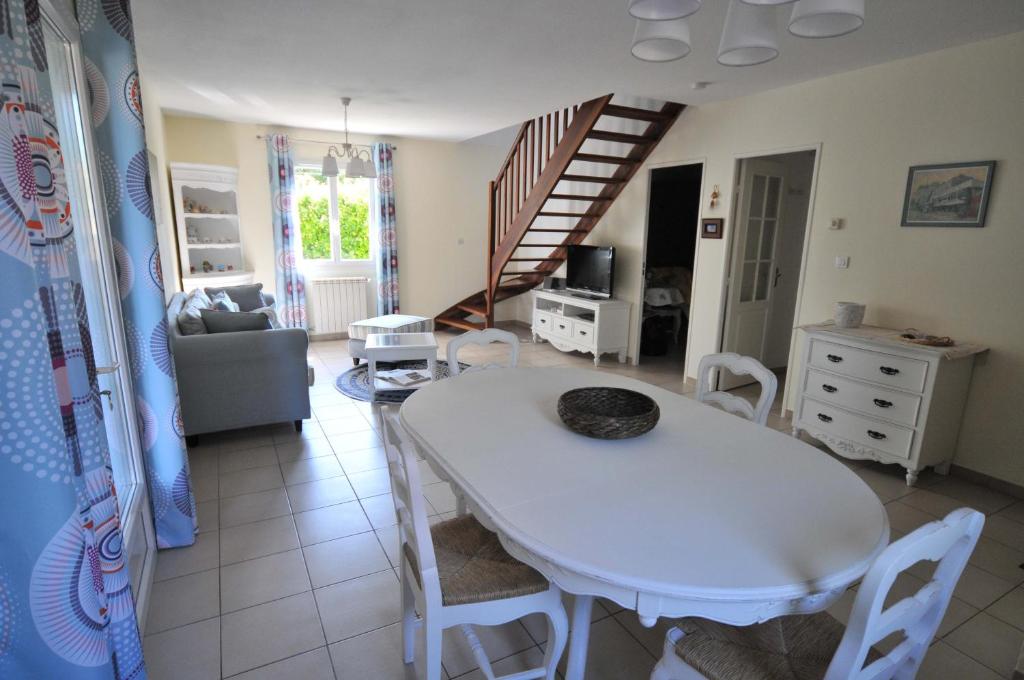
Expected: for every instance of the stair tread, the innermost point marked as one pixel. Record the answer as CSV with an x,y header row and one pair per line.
x,y
603,158
460,323
578,197
559,231
479,310
551,213
635,113
590,178
623,137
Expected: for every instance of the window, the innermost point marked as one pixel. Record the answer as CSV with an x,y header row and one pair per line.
x,y
334,216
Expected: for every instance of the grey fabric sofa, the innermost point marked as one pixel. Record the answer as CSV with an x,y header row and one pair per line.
x,y
232,380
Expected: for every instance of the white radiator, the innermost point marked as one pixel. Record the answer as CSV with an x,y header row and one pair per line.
x,y
336,302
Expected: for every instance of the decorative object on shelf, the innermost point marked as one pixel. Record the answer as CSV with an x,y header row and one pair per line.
x,y
221,267
207,267
608,412
916,337
715,193
948,194
357,166
712,227
749,34
849,314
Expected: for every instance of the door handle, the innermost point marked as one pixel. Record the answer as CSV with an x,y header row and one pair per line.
x,y
778,275
110,398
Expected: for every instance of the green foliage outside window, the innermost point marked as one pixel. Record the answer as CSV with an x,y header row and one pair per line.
x,y
314,221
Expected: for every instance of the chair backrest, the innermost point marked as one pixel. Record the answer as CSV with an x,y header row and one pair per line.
x,y
410,508
738,365
484,337
949,542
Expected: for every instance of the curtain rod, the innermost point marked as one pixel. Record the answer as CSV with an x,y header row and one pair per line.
x,y
321,141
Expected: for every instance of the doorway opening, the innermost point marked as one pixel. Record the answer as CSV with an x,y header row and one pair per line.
x,y
770,219
669,254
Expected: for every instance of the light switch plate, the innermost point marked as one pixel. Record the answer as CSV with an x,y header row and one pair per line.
x,y
842,261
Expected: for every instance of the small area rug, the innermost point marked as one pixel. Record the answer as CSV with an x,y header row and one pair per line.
x,y
355,381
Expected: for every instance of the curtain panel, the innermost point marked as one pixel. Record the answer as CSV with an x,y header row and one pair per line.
x,y
387,230
66,604
116,108
290,285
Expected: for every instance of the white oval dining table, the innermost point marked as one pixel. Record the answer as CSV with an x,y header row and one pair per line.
x,y
706,515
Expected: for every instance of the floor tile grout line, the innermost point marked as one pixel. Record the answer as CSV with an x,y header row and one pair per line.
x,y
308,651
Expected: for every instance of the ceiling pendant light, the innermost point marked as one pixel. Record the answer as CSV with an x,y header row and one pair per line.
x,y
663,10
661,40
826,18
748,37
357,167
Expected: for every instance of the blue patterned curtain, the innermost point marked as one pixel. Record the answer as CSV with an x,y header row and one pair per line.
x,y
66,606
116,108
291,288
387,231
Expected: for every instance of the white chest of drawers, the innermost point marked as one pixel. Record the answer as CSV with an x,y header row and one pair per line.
x,y
867,394
573,323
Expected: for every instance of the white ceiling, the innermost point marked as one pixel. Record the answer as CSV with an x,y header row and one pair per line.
x,y
455,69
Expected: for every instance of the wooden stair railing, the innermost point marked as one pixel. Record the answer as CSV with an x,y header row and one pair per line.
x,y
537,162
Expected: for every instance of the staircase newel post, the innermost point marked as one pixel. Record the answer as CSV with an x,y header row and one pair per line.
x,y
491,227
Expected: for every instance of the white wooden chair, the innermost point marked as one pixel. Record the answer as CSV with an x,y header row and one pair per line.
x,y
816,646
484,337
456,573
738,365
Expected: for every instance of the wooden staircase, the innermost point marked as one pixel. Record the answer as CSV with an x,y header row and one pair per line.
x,y
522,248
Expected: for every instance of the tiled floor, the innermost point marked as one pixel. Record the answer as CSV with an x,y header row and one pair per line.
x,y
293,574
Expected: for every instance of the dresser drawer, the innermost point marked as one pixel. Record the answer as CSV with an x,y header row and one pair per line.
x,y
542,321
561,326
878,401
878,367
583,332
851,427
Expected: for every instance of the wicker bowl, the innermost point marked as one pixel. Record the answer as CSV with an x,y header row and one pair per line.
x,y
608,412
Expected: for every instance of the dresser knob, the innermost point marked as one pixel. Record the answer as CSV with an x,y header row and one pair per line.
x,y
824,418
875,435
882,403
888,370
829,388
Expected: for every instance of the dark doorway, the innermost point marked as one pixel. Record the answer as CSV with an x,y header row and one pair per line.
x,y
668,264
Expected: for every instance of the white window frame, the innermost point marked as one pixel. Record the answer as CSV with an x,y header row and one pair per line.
x,y
334,227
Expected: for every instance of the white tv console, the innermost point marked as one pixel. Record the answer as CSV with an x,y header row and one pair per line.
x,y
572,323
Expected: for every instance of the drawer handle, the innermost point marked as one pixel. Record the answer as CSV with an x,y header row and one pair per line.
x,y
582,332
834,358
888,370
830,389
824,418
882,403
875,435
561,326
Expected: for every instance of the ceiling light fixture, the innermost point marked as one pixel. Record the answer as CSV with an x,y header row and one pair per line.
x,y
663,10
661,40
748,37
356,166
826,18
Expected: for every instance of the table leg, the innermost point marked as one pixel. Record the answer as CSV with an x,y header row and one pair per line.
x,y
371,367
579,637
431,367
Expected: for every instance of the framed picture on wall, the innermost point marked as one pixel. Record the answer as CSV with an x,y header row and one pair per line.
x,y
948,195
712,227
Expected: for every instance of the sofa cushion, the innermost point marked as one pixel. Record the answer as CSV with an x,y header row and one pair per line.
x,y
222,302
217,321
248,297
271,315
190,321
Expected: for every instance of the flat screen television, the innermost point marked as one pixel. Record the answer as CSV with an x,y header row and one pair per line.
x,y
590,271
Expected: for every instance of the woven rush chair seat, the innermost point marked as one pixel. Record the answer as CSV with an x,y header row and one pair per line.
x,y
474,567
786,648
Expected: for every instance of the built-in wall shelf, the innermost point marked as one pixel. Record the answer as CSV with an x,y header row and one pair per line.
x,y
209,233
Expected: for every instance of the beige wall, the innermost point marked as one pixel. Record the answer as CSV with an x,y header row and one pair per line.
x,y
156,144
441,202
961,104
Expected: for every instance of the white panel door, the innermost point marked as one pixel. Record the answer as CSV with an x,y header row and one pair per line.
x,y
753,270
